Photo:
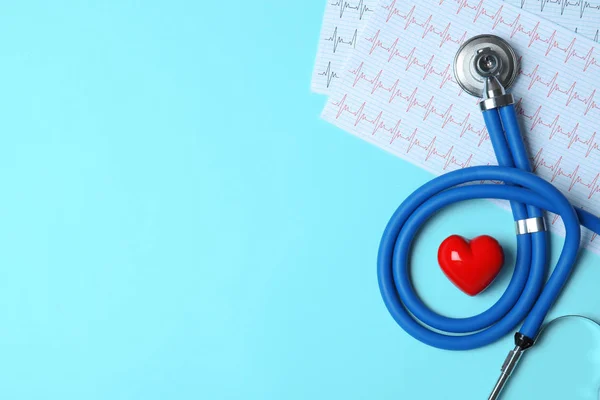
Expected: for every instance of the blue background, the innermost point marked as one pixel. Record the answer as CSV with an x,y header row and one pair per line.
x,y
176,222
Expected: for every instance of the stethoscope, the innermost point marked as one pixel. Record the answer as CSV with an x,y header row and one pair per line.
x,y
484,66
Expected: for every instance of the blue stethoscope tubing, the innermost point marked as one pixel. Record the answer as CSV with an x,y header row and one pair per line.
x,y
529,296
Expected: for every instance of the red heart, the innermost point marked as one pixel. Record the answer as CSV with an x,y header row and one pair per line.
x,y
471,265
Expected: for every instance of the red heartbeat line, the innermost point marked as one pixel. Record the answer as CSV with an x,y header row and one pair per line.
x,y
429,107
411,60
573,176
497,19
412,139
430,147
446,75
448,118
570,92
550,41
427,26
556,128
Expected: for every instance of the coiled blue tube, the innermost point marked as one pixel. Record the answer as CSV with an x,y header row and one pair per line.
x,y
528,296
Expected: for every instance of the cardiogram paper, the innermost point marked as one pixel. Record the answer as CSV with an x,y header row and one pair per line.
x,y
343,20
398,92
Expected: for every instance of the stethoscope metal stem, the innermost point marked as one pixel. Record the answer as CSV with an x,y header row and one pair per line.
x,y
515,355
507,368
494,95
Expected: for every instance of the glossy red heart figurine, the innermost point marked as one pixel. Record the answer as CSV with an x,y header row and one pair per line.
x,y
471,265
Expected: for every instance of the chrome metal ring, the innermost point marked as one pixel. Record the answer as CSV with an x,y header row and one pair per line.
x,y
530,225
497,102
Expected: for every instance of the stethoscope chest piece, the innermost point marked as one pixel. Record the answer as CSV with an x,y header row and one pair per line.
x,y
484,56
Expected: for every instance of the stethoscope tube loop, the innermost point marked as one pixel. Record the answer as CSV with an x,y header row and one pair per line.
x,y
523,290
528,296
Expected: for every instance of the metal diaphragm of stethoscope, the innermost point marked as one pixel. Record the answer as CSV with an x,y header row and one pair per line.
x,y
484,66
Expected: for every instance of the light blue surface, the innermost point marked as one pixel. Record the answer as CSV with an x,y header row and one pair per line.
x,y
178,223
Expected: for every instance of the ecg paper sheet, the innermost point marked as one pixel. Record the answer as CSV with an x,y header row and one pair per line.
x,y
344,20
399,93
